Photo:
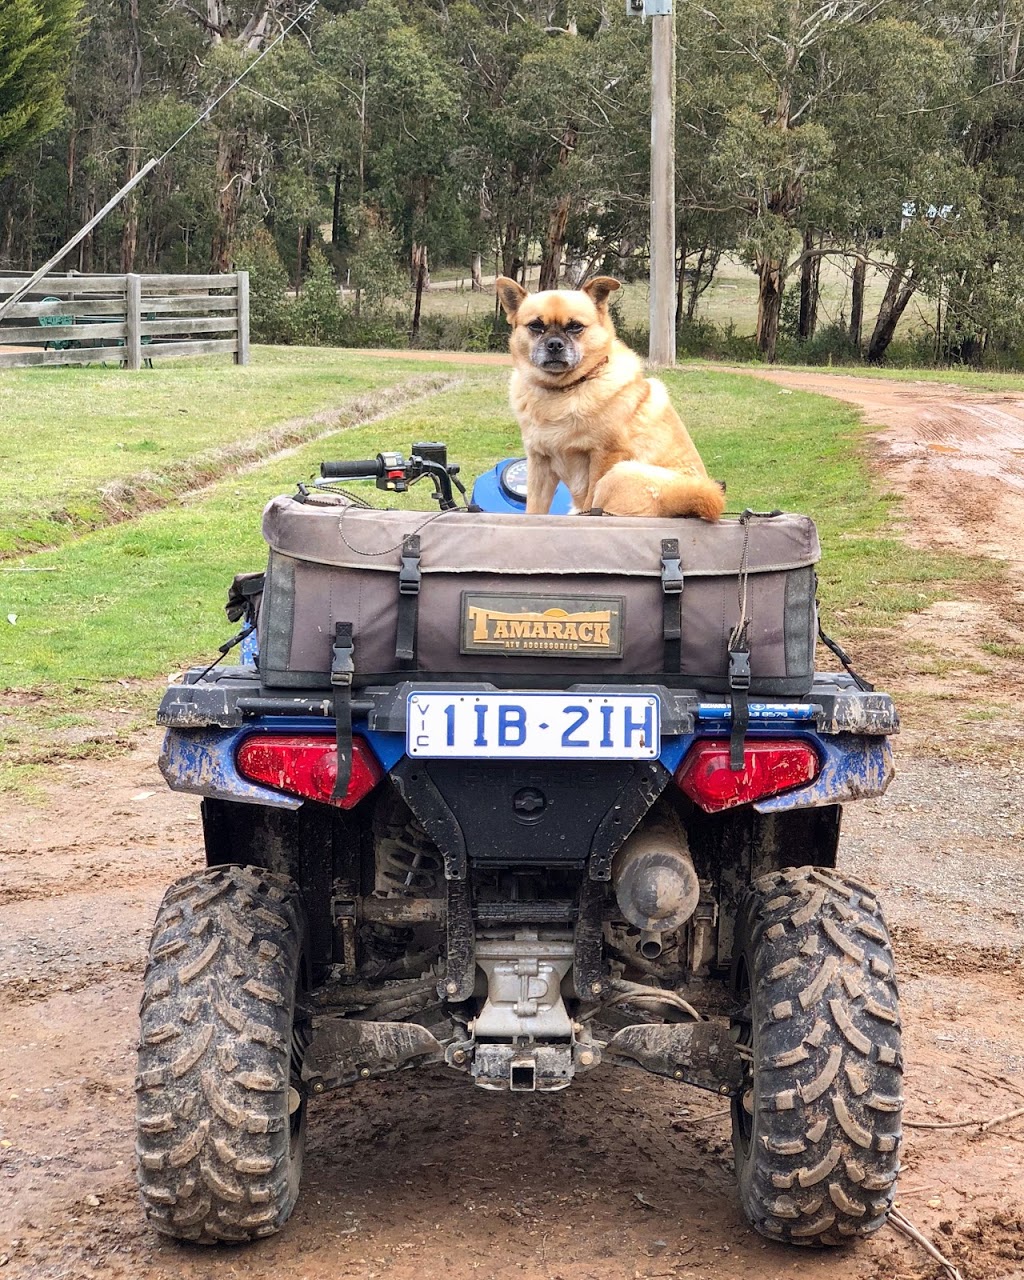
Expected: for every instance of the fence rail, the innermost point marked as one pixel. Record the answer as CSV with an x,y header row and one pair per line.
x,y
73,319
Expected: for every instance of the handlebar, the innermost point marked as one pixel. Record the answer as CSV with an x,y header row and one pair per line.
x,y
369,469
394,472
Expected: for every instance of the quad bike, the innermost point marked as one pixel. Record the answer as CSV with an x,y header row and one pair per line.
x,y
528,798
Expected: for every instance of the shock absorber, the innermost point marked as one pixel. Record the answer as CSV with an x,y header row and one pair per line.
x,y
408,865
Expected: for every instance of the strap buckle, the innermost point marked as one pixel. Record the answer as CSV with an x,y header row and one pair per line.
x,y
409,566
342,666
739,669
671,567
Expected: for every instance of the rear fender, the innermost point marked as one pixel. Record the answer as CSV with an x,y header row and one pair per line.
x,y
853,768
202,762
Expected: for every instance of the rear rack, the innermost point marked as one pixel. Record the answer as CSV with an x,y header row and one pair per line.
x,y
232,696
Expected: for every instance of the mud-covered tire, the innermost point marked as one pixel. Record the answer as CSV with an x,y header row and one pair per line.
x,y
816,1134
220,1107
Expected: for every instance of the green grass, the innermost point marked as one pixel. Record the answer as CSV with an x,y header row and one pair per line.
x,y
143,598
731,299
82,447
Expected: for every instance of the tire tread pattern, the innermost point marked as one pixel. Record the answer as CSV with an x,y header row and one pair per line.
x,y
215,1157
823,1157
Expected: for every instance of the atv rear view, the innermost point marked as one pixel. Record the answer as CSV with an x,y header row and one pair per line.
x,y
526,798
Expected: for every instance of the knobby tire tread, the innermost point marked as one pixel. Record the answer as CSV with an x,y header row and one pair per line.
x,y
822,1159
217,1158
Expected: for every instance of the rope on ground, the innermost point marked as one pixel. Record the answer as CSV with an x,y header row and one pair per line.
x,y
901,1224
983,1126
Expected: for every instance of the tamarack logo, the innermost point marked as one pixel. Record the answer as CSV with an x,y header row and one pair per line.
x,y
571,626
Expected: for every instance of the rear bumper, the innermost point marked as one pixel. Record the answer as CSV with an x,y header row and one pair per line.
x,y
206,720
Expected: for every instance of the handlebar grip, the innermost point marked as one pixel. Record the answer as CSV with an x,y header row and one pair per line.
x,y
363,470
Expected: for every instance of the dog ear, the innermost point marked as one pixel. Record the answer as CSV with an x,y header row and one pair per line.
x,y
599,288
510,295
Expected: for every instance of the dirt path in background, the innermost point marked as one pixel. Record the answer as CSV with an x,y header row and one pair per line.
x,y
956,456
623,1177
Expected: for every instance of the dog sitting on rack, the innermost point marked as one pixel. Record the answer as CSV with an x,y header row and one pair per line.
x,y
590,418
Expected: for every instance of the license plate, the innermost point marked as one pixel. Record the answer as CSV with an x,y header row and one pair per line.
x,y
534,726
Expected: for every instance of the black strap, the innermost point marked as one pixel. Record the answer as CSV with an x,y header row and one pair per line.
x,y
739,651
671,604
844,658
342,668
408,601
739,689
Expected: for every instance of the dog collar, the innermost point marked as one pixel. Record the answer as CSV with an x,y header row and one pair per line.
x,y
586,377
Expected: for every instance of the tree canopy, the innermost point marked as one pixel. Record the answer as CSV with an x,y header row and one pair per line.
x,y
882,133
36,41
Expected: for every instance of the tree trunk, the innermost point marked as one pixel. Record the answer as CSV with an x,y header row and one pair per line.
x,y
362,141
898,292
130,228
87,247
810,273
769,306
419,267
421,279
231,182
681,278
476,270
704,273
551,263
69,205
336,212
509,243
860,270
6,256
30,227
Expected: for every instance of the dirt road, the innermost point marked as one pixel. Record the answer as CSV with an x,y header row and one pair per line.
x,y
956,455
622,1177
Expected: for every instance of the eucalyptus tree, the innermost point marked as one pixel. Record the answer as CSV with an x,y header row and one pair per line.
x,y
36,41
806,122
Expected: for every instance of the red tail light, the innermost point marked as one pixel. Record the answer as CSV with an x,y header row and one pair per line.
x,y
307,766
768,768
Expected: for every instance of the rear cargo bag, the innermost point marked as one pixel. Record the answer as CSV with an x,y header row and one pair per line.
x,y
536,601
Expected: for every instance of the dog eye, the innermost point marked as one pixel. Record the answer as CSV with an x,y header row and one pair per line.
x,y
574,327
536,326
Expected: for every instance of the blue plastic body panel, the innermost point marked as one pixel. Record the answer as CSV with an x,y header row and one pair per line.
x,y
488,494
202,761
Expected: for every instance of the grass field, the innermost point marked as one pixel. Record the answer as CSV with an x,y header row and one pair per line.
x,y
95,620
83,447
731,299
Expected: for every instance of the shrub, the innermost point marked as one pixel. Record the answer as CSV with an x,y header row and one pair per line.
x,y
316,317
374,264
461,333
268,287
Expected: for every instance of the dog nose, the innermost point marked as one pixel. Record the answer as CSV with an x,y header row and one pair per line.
x,y
555,345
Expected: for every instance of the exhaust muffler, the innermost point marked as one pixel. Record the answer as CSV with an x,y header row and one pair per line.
x,y
655,883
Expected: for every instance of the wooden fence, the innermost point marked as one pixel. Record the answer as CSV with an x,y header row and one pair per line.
x,y
129,319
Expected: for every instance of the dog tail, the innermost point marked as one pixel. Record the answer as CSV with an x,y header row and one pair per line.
x,y
637,489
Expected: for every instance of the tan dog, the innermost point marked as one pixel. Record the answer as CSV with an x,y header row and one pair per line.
x,y
590,418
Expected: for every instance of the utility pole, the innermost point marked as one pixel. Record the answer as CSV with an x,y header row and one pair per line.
x,y
663,181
